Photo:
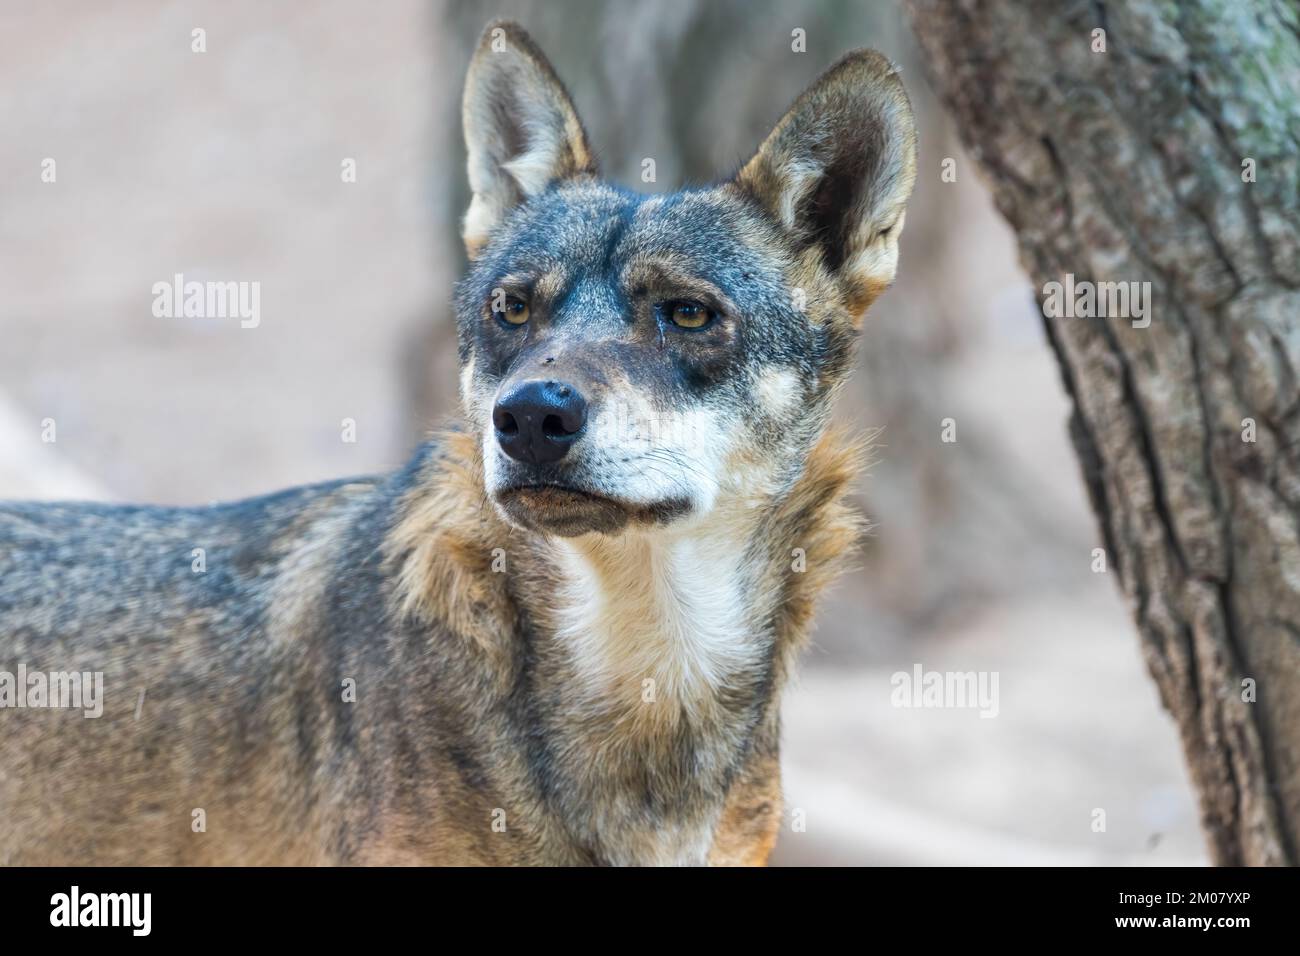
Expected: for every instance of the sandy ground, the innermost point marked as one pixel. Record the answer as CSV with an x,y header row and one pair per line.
x,y
1078,729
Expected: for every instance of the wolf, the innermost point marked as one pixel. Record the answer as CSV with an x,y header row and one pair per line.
x,y
559,634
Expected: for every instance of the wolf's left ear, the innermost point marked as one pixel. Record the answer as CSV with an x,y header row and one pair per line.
x,y
838,168
521,130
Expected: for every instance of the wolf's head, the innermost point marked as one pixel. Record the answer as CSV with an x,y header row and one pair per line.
x,y
637,359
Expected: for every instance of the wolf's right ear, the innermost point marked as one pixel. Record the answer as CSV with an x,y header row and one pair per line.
x,y
521,130
837,170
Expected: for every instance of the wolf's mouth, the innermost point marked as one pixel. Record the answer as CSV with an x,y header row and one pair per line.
x,y
567,511
546,494
562,510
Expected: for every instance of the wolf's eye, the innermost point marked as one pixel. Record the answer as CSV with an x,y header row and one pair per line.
x,y
514,310
689,315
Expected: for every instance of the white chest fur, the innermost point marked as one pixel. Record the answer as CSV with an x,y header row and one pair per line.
x,y
660,615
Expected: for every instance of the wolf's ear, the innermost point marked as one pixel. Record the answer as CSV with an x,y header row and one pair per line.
x,y
838,169
521,130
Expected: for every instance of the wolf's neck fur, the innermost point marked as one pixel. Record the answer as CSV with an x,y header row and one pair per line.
x,y
652,658
661,616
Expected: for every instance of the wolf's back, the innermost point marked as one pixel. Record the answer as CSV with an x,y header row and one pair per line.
x,y
80,576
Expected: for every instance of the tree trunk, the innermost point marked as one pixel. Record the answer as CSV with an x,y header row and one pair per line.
x,y
1134,164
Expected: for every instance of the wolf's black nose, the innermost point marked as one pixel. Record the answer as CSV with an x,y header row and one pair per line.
x,y
537,421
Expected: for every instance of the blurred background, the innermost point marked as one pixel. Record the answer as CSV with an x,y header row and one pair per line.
x,y
226,165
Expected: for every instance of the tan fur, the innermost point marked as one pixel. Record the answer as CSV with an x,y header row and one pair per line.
x,y
751,820
444,547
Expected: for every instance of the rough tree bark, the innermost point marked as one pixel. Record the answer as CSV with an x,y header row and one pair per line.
x,y
1129,165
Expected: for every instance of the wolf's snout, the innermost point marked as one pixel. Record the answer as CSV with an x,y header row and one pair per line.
x,y
537,421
